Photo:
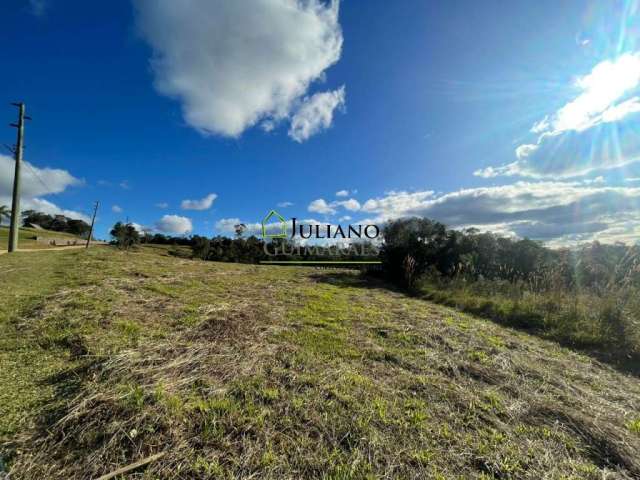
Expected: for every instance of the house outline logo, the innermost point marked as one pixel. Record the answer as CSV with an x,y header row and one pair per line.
x,y
283,225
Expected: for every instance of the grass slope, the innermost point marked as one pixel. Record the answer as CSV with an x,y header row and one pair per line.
x,y
244,371
26,237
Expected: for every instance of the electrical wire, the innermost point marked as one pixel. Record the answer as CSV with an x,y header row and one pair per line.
x,y
33,170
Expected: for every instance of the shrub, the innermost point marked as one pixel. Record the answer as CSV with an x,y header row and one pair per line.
x,y
125,235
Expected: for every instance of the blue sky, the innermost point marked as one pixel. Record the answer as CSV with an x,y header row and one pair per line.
x,y
190,116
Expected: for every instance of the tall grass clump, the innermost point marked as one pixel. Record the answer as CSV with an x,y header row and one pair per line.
x,y
587,297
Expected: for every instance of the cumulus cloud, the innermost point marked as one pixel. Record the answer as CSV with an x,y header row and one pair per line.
x,y
556,212
116,209
596,130
235,64
607,83
141,228
397,202
45,206
174,224
228,225
162,205
342,193
285,204
315,114
202,204
352,204
37,182
576,152
321,206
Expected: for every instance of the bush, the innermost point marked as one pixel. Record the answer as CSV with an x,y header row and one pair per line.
x,y
125,235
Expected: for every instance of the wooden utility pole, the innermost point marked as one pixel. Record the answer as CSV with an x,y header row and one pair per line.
x,y
93,220
15,205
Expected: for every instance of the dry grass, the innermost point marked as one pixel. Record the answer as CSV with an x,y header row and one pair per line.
x,y
239,371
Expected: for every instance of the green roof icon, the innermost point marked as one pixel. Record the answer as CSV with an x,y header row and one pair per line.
x,y
278,218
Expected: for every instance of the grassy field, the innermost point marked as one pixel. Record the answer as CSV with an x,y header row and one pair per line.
x,y
26,237
604,323
245,371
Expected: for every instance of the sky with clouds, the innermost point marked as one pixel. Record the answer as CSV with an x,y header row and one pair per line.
x,y
191,116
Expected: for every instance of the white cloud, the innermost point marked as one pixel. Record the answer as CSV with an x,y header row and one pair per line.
x,y
116,209
593,132
37,182
342,193
488,172
45,206
234,64
607,83
44,181
174,224
599,180
321,206
397,202
560,213
141,228
506,170
124,184
618,112
162,205
228,225
525,150
541,126
285,204
352,204
346,218
315,114
202,204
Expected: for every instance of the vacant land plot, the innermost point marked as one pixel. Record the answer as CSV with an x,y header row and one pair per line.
x,y
243,371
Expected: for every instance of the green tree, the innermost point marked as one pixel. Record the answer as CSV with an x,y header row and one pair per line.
x,y
419,243
37,218
78,227
5,213
125,235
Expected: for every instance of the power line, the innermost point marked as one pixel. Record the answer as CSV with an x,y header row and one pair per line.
x,y
47,189
33,170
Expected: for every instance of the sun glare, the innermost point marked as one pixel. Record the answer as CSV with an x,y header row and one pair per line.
x,y
607,83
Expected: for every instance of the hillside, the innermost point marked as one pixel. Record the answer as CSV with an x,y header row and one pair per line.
x,y
245,371
27,237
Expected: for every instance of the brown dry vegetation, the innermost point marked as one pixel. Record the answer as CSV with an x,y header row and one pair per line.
x,y
242,371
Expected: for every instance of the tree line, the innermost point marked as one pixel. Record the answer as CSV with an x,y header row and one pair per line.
x,y
56,223
413,248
